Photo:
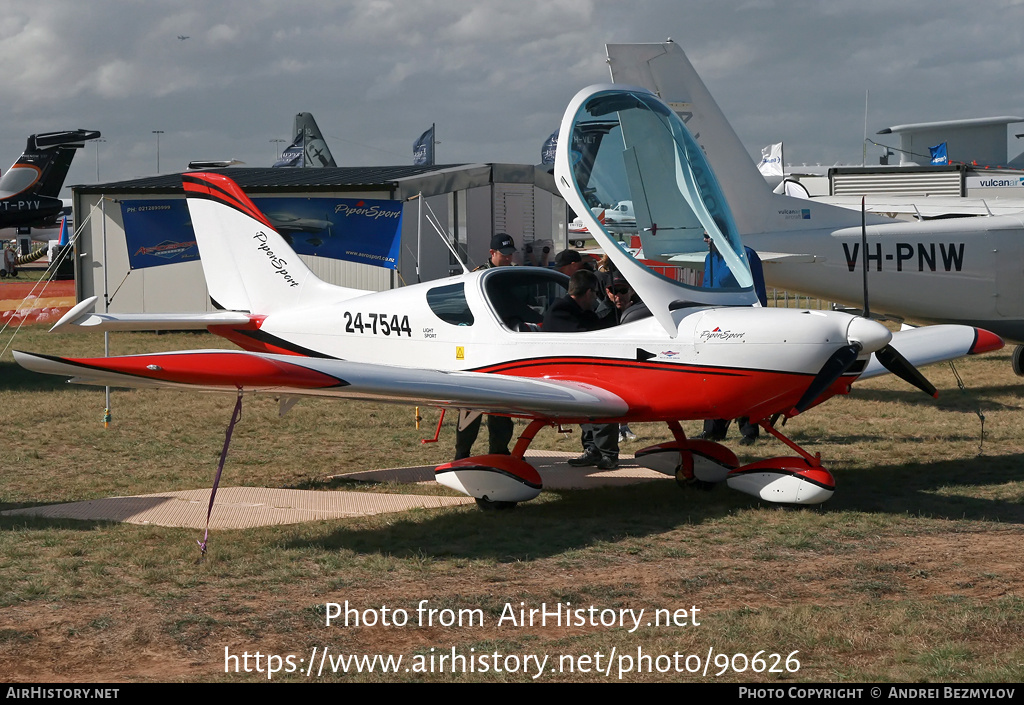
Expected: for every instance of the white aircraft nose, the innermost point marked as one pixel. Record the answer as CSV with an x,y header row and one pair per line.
x,y
870,335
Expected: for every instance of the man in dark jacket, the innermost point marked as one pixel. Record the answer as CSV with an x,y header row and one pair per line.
x,y
718,275
601,441
568,262
574,312
499,428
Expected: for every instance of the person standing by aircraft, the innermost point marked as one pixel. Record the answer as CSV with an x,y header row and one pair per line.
x,y
574,312
503,247
9,266
718,275
601,441
499,428
568,262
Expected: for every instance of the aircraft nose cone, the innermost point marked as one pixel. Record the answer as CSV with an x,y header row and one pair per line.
x,y
869,335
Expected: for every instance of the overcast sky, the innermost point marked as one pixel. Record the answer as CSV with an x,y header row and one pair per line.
x,y
494,76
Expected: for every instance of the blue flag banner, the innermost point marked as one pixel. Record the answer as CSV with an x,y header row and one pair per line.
x,y
547,151
158,232
353,229
294,156
423,148
939,154
65,236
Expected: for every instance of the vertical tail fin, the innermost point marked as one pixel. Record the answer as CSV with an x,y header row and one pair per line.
x,y
308,147
51,181
318,154
247,264
31,187
664,69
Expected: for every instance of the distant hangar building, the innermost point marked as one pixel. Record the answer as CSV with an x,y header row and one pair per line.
x,y
471,201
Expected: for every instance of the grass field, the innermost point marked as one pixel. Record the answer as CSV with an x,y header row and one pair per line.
x,y
911,573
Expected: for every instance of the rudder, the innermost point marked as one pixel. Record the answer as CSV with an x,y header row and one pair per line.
x,y
247,264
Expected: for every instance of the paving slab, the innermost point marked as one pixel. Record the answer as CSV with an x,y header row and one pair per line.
x,y
245,507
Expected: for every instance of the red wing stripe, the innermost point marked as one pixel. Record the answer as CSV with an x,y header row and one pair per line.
x,y
212,369
515,365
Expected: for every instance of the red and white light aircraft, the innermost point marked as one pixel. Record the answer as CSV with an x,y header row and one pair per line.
x,y
463,342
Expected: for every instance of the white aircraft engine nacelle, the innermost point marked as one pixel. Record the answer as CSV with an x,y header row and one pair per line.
x,y
494,478
785,480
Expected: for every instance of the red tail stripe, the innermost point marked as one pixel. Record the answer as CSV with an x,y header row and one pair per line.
x,y
222,188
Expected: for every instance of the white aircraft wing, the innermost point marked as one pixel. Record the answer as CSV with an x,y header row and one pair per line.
x,y
696,259
931,344
929,206
233,370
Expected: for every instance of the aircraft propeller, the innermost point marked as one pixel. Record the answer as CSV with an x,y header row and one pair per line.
x,y
897,364
839,362
889,356
862,336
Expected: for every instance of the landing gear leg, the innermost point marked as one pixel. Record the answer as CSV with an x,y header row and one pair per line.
x,y
812,460
693,462
684,471
526,439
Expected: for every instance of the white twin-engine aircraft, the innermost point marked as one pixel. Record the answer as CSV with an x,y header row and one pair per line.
x,y
463,342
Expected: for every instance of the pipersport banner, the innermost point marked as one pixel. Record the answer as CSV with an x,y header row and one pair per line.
x,y
423,148
548,149
939,154
294,156
352,229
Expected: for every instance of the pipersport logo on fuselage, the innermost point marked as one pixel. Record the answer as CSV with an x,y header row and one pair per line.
x,y
719,334
373,212
279,265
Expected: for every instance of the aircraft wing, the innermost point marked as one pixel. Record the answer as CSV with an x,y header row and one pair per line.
x,y
929,206
931,344
696,259
232,370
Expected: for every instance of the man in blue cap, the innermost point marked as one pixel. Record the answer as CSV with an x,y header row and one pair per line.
x,y
502,249
499,428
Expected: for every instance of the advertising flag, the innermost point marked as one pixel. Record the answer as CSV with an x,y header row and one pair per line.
x,y
547,151
293,156
423,148
939,154
771,160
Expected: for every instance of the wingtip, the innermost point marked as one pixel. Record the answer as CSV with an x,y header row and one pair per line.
x,y
985,341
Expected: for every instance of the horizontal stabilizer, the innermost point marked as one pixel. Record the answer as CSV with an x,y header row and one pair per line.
x,y
67,138
82,317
